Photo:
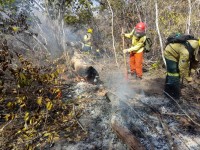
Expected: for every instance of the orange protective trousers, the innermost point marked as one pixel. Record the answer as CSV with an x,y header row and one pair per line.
x,y
136,63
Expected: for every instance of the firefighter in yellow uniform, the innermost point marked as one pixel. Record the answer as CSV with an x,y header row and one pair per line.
x,y
138,37
180,61
87,41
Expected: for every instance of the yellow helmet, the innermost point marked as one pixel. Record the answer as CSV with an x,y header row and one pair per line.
x,y
89,30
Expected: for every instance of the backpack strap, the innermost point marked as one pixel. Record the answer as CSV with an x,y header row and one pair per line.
x,y
190,50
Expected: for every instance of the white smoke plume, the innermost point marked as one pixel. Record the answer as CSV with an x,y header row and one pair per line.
x,y
120,86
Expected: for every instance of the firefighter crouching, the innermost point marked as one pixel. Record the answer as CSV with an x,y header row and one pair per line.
x,y
179,64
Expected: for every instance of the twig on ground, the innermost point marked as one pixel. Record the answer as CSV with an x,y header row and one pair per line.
x,y
173,114
77,119
5,125
45,119
171,144
182,109
180,138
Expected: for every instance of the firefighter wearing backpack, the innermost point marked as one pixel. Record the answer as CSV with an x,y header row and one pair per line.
x,y
87,47
180,59
138,37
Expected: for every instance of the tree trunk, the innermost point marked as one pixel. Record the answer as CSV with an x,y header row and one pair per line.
x,y
113,37
83,68
158,30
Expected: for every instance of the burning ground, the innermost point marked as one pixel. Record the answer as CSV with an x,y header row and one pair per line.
x,y
129,114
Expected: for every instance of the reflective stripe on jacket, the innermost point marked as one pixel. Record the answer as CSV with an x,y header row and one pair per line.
x,y
173,74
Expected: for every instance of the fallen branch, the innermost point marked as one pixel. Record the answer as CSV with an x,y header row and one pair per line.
x,y
182,109
119,123
173,114
124,133
171,144
180,138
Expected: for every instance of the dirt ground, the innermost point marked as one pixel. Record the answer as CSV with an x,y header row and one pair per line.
x,y
153,82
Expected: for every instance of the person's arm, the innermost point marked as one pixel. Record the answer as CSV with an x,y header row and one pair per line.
x,y
184,64
87,38
129,35
137,45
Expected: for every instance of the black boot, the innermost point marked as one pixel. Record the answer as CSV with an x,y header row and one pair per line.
x,y
172,91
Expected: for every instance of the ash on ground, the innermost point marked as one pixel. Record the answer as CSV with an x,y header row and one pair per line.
x,y
158,122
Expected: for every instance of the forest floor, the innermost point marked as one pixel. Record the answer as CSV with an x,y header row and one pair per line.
x,y
181,119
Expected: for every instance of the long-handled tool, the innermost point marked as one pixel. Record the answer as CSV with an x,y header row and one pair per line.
x,y
125,63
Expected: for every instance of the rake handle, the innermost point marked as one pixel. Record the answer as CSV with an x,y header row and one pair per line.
x,y
125,63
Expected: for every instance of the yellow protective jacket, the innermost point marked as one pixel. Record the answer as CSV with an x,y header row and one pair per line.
x,y
137,43
178,53
88,39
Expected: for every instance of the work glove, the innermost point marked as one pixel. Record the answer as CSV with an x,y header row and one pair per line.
x,y
125,51
122,34
192,71
189,79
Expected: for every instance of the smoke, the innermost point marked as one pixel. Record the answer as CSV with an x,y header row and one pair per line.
x,y
48,36
54,35
120,86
